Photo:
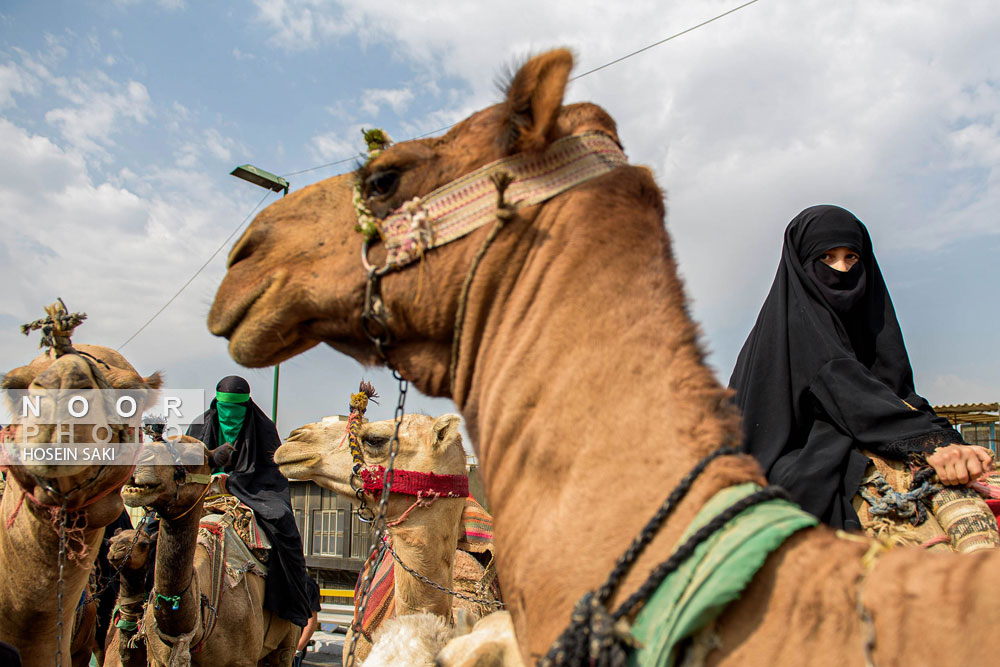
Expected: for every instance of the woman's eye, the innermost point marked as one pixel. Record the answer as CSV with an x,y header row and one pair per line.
x,y
382,183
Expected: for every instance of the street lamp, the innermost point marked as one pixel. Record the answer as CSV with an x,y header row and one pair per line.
x,y
265,179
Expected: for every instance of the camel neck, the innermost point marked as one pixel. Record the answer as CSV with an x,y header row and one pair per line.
x,y
132,587
29,549
587,396
426,543
132,596
173,573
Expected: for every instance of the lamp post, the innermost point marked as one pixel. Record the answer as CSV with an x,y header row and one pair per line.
x,y
265,179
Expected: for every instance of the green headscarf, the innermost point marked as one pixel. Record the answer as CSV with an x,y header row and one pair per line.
x,y
232,410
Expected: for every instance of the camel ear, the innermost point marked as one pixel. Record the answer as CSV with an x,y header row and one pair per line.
x,y
154,381
534,97
117,530
445,431
19,378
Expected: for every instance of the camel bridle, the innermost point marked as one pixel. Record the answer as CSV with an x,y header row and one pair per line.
x,y
492,192
444,215
367,480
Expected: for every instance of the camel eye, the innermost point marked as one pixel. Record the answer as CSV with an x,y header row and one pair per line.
x,y
375,442
382,183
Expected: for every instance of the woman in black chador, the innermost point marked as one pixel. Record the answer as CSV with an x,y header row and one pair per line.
x,y
824,374
254,478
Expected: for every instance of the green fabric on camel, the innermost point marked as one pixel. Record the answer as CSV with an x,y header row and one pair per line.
x,y
716,573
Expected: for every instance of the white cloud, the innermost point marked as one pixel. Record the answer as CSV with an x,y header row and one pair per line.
x,y
396,98
301,24
240,55
15,80
210,143
98,112
103,247
170,5
334,145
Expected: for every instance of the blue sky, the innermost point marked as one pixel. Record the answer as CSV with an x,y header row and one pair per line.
x,y
120,122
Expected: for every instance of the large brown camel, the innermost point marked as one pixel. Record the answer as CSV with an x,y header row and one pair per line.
x,y
131,552
584,387
190,620
30,514
423,532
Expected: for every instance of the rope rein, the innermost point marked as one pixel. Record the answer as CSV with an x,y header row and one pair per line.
x,y
379,520
505,212
911,505
61,563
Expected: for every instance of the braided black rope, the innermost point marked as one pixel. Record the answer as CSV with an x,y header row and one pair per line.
x,y
685,551
649,531
600,638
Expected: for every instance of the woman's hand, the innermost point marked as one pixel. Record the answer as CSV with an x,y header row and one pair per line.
x,y
960,464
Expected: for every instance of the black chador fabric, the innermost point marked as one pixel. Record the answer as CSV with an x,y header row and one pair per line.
x,y
825,373
254,478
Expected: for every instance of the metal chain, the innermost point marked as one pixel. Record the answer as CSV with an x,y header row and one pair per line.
x,y
111,578
379,523
59,584
416,575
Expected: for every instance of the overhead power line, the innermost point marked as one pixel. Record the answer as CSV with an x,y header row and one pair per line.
x,y
420,136
200,269
662,41
573,78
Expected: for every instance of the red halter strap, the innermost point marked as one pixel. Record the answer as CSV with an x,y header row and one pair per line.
x,y
413,483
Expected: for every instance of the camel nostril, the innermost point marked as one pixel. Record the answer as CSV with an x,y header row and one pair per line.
x,y
243,248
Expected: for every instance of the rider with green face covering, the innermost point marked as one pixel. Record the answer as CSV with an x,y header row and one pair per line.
x,y
254,478
231,408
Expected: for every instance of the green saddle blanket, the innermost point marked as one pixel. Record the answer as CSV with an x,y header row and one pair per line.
x,y
715,574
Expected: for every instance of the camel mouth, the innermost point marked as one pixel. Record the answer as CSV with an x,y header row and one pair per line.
x,y
225,322
257,324
135,494
300,469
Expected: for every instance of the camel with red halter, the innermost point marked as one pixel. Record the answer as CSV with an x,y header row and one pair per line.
x,y
52,517
197,615
426,538
556,320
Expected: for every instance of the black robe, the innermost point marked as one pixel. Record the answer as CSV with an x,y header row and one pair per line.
x,y
816,382
254,479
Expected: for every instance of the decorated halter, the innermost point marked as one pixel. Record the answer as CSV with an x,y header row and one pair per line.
x,y
491,193
408,482
466,204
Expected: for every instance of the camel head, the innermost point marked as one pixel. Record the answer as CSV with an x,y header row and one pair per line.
x,y
162,481
319,451
295,278
102,368
135,560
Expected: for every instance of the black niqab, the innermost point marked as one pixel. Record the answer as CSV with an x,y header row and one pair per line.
x,y
254,478
825,373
